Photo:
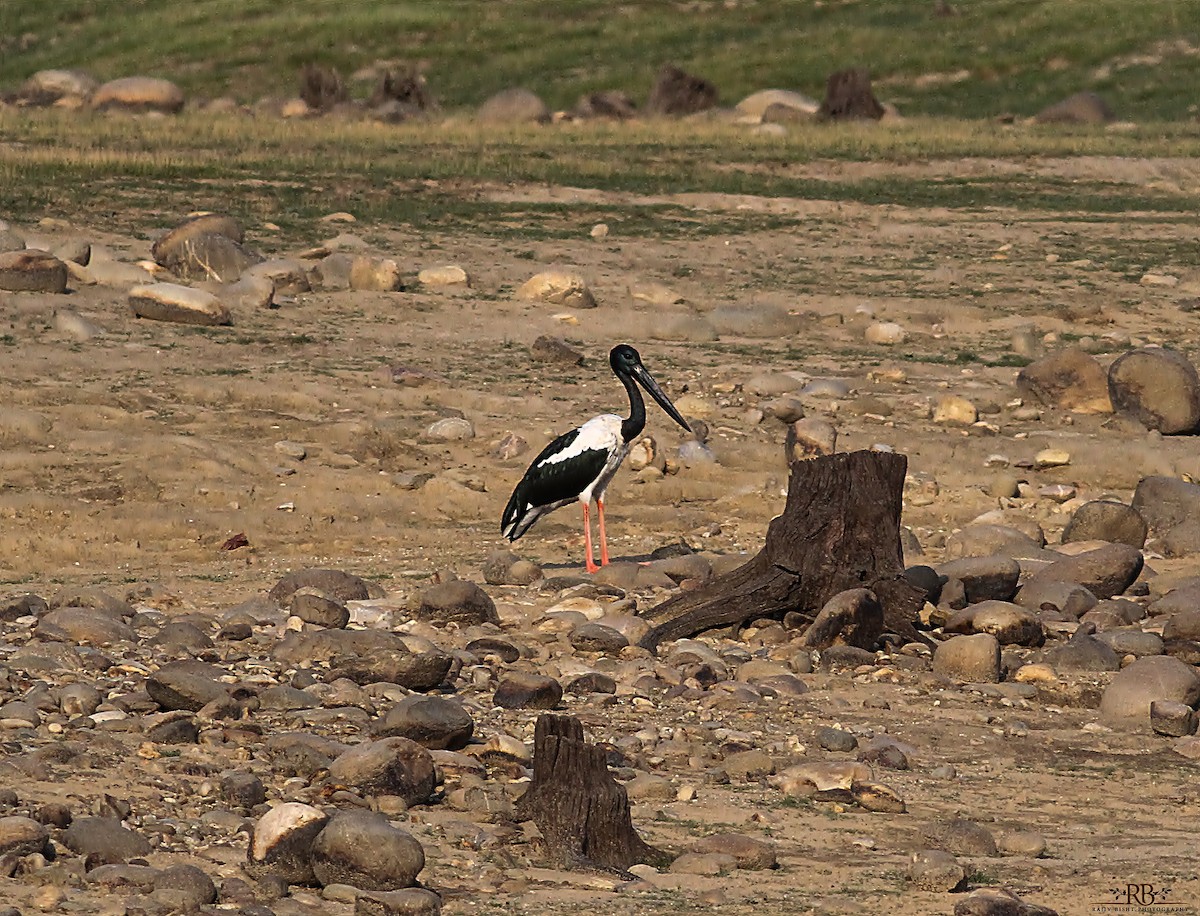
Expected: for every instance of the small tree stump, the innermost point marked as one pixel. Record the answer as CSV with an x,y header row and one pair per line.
x,y
840,529
582,812
848,95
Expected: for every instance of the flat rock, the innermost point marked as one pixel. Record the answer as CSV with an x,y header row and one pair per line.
x,y
963,837
1126,700
1065,598
85,626
1157,386
412,901
180,686
365,657
995,901
443,275
1083,652
557,287
389,766
105,840
314,607
985,578
1070,379
178,304
362,849
1105,572
32,270
1079,108
524,690
750,853
434,722
1105,520
49,86
457,601
755,105
339,585
982,540
975,659
1172,718
139,93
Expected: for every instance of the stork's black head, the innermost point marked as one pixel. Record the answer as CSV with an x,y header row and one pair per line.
x,y
627,364
624,359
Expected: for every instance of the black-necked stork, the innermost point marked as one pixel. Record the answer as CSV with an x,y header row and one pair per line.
x,y
580,464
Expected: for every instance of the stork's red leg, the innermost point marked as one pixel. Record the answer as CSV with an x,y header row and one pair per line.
x,y
587,538
603,538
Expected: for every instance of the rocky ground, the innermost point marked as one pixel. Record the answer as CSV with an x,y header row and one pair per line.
x,y
174,684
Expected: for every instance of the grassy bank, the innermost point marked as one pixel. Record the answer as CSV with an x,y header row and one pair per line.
x,y
992,56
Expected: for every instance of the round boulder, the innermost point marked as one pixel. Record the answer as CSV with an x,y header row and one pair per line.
x,y
514,106
282,842
975,659
1127,699
457,601
437,723
1157,386
1105,520
391,766
362,849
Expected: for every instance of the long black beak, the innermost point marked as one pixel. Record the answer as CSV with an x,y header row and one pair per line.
x,y
647,381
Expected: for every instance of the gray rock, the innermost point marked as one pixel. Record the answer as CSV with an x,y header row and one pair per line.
x,y
363,849
522,690
1132,642
83,626
180,686
183,636
314,607
503,567
281,844
365,657
301,754
494,645
178,304
1105,571
834,739
242,790
1104,520
49,86
513,106
433,722
22,836
175,727
78,700
995,901
1083,652
963,838
936,870
1183,625
975,659
412,901
590,682
192,886
810,437
985,578
853,617
885,751
555,350
1126,701
1173,719
1069,379
457,601
1165,502
596,637
980,540
389,766
1024,843
32,270
1067,598
105,840
1159,387
334,583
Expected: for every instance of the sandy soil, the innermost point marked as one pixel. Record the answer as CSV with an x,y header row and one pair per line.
x,y
133,456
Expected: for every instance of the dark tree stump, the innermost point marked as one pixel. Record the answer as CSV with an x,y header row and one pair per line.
x,y
848,95
582,812
840,529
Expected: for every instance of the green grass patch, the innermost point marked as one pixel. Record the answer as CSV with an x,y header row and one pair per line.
x,y
994,56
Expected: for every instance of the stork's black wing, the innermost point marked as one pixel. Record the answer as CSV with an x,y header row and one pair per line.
x,y
549,483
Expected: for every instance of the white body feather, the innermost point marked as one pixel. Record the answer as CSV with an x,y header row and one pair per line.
x,y
602,433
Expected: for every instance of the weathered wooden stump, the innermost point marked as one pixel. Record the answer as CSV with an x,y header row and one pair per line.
x,y
840,529
582,812
848,95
